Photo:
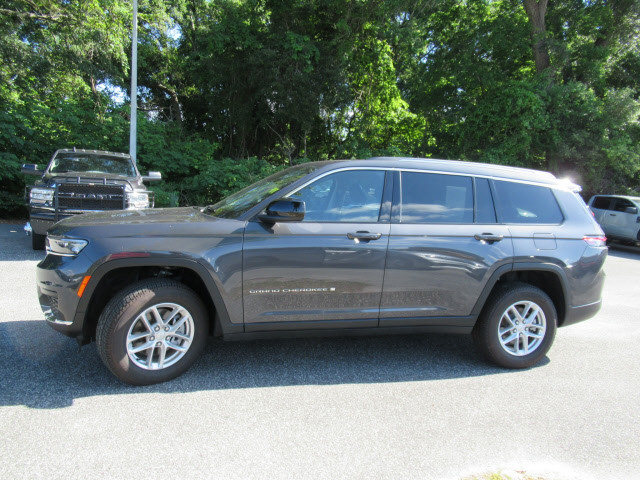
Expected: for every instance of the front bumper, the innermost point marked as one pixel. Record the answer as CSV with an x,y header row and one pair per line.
x,y
40,222
58,280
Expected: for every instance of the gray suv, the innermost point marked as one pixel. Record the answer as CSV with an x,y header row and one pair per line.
x,y
376,246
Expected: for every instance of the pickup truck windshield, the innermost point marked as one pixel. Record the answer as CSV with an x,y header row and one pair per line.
x,y
238,203
92,163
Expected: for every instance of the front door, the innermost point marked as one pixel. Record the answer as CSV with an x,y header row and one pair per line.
x,y
325,271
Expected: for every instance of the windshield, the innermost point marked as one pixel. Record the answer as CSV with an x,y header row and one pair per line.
x,y
236,204
92,163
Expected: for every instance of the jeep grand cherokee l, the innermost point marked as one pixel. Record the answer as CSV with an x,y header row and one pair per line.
x,y
374,246
79,181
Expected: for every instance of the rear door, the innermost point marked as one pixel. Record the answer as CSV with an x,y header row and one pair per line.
x,y
444,245
327,270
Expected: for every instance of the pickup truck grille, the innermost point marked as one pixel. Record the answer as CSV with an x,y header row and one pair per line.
x,y
74,196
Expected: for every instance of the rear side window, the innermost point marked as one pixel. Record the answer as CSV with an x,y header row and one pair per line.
x,y
521,203
436,198
601,203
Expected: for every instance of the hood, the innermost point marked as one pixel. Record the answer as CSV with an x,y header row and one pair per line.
x,y
157,222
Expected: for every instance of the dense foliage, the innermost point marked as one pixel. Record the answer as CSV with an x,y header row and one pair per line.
x,y
231,90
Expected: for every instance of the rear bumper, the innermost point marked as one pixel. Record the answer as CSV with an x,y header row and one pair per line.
x,y
583,312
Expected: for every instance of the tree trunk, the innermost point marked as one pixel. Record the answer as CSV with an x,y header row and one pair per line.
x,y
175,112
536,11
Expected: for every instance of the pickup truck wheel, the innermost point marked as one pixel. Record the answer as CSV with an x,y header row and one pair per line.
x,y
37,241
517,326
152,331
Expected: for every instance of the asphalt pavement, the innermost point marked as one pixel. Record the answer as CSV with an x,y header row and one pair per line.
x,y
408,407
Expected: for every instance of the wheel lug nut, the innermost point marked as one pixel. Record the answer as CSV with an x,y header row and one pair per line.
x,y
158,344
157,329
152,338
166,329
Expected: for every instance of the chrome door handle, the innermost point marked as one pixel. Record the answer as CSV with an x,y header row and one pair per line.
x,y
363,236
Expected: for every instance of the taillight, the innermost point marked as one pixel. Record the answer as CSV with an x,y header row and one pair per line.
x,y
592,241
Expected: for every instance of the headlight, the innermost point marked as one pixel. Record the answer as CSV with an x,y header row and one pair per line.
x,y
137,200
65,247
41,195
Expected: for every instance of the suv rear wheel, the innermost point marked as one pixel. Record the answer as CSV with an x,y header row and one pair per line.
x,y
517,327
152,332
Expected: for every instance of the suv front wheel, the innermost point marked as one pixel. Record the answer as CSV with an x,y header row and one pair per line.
x,y
152,331
517,326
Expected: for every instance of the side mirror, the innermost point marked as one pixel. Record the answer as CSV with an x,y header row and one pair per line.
x,y
31,169
284,210
152,177
633,210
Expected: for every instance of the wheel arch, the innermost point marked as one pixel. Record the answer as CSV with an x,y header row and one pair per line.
x,y
114,275
549,278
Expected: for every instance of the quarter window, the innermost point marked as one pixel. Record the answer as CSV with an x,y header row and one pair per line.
x,y
349,196
522,203
436,198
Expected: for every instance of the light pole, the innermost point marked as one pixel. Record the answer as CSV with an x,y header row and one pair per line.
x,y
134,84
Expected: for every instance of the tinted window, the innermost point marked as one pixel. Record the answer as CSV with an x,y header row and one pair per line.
x,y
601,203
348,196
485,211
521,203
435,198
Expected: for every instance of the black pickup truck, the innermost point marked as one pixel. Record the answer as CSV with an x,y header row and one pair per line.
x,y
81,181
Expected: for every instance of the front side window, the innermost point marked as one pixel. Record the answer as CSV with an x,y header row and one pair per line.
x,y
435,198
522,203
348,196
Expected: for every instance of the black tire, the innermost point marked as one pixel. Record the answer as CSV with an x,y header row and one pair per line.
x,y
37,241
501,314
122,321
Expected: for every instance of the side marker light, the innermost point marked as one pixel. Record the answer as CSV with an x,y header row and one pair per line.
x,y
83,285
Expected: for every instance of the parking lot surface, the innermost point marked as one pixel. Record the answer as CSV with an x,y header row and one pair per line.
x,y
410,407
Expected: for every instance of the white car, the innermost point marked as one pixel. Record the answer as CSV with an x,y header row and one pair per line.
x,y
618,216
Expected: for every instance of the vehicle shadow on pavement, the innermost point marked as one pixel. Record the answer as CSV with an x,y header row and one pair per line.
x,y
39,368
624,251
